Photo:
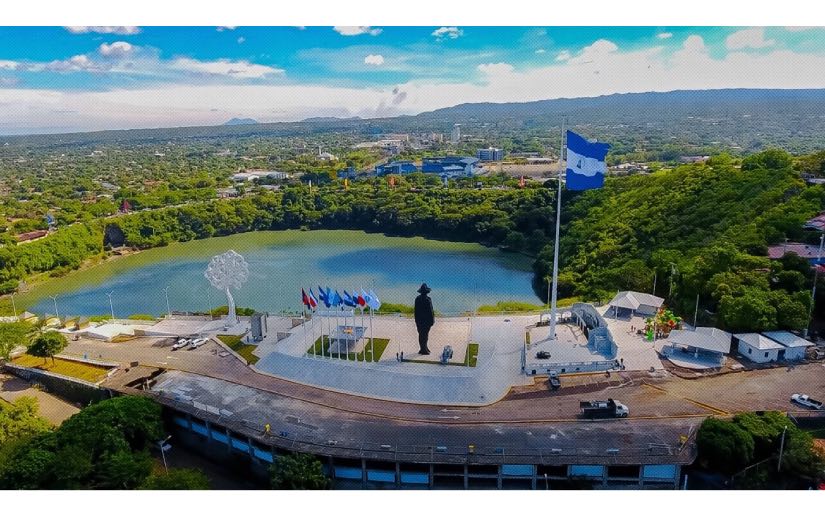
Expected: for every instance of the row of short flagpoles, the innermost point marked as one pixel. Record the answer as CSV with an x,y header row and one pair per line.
x,y
334,299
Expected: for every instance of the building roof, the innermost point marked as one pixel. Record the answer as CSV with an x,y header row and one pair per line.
x,y
633,300
788,339
758,341
802,250
817,222
709,339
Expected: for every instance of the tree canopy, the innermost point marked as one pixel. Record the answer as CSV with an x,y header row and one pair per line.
x,y
299,471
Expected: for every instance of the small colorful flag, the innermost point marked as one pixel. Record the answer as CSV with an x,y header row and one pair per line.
x,y
305,299
323,296
359,299
374,302
349,300
312,300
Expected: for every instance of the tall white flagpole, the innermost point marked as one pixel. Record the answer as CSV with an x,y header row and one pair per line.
x,y
556,243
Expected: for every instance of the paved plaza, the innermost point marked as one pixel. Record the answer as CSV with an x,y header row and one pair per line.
x,y
499,366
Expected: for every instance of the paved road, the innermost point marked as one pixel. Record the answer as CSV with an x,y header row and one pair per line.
x,y
768,389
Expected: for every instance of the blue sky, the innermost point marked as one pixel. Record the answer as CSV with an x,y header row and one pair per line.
x,y
56,79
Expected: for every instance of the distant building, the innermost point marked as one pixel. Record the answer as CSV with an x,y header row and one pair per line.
x,y
451,166
455,135
817,223
490,154
693,159
396,167
346,173
251,175
326,156
634,302
227,193
806,251
32,235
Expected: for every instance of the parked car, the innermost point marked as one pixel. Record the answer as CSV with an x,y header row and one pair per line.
x,y
553,382
543,355
181,343
806,401
198,343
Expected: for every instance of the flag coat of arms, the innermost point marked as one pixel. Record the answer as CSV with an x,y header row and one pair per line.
x,y
586,165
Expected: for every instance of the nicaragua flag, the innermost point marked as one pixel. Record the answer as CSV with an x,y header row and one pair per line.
x,y
585,163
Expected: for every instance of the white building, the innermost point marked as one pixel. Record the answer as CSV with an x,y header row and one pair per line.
x,y
794,346
455,136
711,344
251,175
635,303
758,348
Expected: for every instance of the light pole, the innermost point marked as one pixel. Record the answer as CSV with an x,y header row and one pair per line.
x,y
166,293
546,483
781,449
56,314
813,290
163,449
13,306
111,305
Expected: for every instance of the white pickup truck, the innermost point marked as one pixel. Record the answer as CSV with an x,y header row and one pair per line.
x,y
806,401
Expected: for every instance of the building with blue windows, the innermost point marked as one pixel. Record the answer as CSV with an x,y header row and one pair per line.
x,y
450,166
490,154
396,167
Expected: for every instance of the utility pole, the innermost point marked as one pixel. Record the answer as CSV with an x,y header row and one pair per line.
x,y
813,290
168,309
696,312
655,273
111,306
781,450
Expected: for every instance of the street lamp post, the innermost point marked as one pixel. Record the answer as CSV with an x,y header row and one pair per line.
x,y
781,450
111,305
813,290
56,314
13,306
168,309
163,449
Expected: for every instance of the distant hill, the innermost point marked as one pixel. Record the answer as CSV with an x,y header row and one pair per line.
x,y
241,121
703,121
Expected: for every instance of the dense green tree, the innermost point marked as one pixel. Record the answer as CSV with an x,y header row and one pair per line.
x,y
20,420
724,446
12,335
299,471
177,479
47,344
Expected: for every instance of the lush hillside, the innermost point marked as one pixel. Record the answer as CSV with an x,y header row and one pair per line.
x,y
712,222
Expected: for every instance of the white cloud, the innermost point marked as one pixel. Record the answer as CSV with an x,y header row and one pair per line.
x,y
447,32
241,40
374,59
225,27
121,30
564,55
8,65
495,69
608,69
598,51
78,63
116,49
664,35
226,67
748,38
356,31
540,51
801,28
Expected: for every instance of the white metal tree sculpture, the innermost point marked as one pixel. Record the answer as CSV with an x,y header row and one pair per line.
x,y
226,271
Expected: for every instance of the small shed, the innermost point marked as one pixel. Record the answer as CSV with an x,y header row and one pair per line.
x,y
795,346
634,302
759,348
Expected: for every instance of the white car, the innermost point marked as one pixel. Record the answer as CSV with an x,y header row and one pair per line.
x,y
198,343
806,401
181,343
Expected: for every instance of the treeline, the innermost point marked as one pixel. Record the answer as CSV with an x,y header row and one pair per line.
x,y
697,230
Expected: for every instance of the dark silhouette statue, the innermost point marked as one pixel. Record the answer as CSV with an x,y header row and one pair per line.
x,y
424,317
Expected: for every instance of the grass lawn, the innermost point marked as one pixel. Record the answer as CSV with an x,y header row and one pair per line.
x,y
380,346
89,372
238,346
470,358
